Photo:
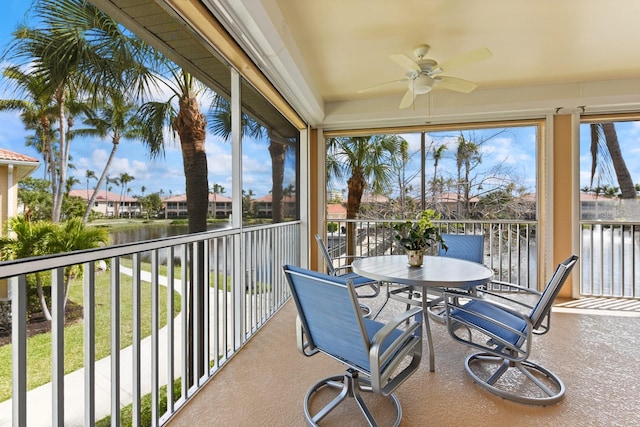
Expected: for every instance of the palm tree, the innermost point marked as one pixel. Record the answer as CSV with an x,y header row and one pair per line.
x,y
78,49
438,154
190,125
46,238
73,235
115,120
89,174
247,197
36,111
365,160
604,140
124,179
220,124
69,183
467,157
216,189
30,240
399,164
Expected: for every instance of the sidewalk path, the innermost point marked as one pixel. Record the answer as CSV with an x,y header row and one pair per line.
x,y
39,399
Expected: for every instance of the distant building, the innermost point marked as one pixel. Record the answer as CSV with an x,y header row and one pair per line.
x,y
593,207
110,204
263,206
219,206
13,168
336,211
176,206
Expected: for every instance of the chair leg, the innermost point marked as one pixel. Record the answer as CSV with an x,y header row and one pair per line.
x,y
350,385
536,385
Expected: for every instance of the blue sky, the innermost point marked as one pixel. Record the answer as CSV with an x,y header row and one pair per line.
x,y
161,174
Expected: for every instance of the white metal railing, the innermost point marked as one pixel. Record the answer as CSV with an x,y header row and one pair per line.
x,y
228,283
510,246
610,257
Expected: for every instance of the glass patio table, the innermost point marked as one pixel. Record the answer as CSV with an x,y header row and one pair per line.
x,y
435,272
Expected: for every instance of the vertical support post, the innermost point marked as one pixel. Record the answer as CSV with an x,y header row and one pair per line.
x,y
238,280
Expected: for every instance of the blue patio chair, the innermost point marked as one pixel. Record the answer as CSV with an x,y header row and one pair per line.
x,y
469,247
502,325
344,271
379,357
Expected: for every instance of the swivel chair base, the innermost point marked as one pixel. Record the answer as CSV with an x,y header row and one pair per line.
x,y
543,387
350,385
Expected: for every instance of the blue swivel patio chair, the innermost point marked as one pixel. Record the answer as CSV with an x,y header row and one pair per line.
x,y
469,247
344,271
501,325
379,357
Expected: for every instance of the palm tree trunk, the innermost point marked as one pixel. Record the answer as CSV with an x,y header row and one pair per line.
x,y
41,298
277,152
356,185
625,181
102,178
190,125
58,189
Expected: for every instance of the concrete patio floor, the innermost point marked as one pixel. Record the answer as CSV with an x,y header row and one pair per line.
x,y
596,354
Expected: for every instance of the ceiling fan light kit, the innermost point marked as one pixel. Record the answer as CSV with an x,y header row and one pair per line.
x,y
423,74
422,84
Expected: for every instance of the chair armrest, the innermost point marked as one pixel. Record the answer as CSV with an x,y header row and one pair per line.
x,y
393,324
406,344
513,287
347,266
491,342
342,267
510,288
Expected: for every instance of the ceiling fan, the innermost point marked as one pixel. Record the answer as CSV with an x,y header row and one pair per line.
x,y
423,73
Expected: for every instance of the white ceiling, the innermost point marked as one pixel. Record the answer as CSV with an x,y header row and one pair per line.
x,y
547,54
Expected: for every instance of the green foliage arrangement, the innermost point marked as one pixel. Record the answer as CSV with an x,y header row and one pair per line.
x,y
420,234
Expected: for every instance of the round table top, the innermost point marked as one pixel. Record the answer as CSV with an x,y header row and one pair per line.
x,y
436,271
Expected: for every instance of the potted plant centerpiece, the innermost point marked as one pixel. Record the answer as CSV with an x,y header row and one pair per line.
x,y
416,236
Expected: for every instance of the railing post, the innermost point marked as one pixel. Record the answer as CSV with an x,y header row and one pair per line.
x,y
18,287
89,344
115,341
57,347
136,339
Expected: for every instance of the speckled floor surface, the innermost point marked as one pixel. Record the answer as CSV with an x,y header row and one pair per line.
x,y
596,355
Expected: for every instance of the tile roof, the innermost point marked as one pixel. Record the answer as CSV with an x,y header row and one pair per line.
x,y
16,157
102,196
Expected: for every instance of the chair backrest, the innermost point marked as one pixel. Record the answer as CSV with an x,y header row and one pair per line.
x,y
325,253
469,247
542,307
330,314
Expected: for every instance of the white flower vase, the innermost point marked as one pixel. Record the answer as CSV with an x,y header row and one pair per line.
x,y
415,257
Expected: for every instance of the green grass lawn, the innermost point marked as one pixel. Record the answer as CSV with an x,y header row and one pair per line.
x,y
39,346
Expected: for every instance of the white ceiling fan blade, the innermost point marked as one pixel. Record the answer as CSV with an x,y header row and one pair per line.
x,y
407,99
381,85
454,83
465,59
405,62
